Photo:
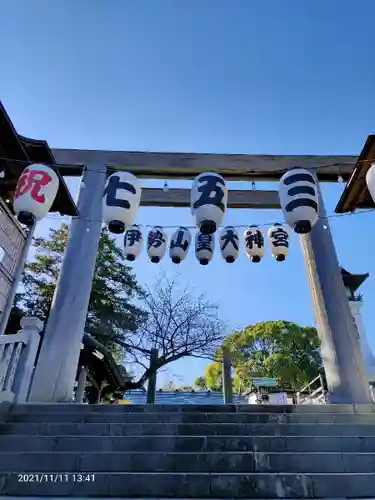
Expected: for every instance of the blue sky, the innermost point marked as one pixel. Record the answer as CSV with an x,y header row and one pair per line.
x,y
260,76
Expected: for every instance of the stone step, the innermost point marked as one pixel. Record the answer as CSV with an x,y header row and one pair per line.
x,y
203,429
118,498
92,443
178,485
175,417
213,462
58,408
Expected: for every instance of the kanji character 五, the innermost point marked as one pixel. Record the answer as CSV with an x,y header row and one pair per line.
x,y
211,192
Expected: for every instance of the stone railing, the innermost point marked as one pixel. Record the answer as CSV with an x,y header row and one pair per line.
x,y
315,393
17,359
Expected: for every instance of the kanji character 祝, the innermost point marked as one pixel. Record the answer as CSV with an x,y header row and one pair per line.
x,y
33,181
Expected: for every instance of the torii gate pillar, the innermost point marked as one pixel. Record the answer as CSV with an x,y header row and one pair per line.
x,y
57,364
340,349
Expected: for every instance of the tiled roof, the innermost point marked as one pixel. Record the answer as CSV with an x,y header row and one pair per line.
x,y
183,397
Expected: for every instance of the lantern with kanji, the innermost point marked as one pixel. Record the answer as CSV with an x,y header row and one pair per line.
x,y
121,198
299,199
204,247
278,241
156,244
209,197
229,244
133,241
370,181
35,193
179,245
254,243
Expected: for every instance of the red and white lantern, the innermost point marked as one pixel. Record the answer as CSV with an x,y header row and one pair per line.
x,y
35,193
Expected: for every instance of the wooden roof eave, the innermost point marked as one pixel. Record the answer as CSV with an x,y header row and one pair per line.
x,y
64,203
356,195
108,361
18,152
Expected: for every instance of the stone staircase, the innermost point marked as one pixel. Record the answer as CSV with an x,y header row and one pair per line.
x,y
216,451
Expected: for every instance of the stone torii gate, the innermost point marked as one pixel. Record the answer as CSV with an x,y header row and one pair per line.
x,y
56,370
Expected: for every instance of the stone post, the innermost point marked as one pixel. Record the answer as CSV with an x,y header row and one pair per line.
x,y
342,358
227,376
31,328
151,387
80,391
368,356
57,364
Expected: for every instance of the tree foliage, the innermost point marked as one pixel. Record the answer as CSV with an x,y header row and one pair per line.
x,y
201,383
277,349
213,376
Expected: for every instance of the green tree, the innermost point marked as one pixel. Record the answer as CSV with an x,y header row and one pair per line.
x,y
278,349
213,376
111,314
200,382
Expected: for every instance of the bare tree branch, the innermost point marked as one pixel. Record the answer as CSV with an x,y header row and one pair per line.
x,y
178,323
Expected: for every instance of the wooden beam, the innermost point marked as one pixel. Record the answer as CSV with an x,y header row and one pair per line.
x,y
152,197
356,195
188,165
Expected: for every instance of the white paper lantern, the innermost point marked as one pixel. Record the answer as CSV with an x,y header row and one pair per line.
x,y
299,199
156,244
254,243
278,240
121,198
370,181
133,241
179,245
229,244
35,193
204,247
209,196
